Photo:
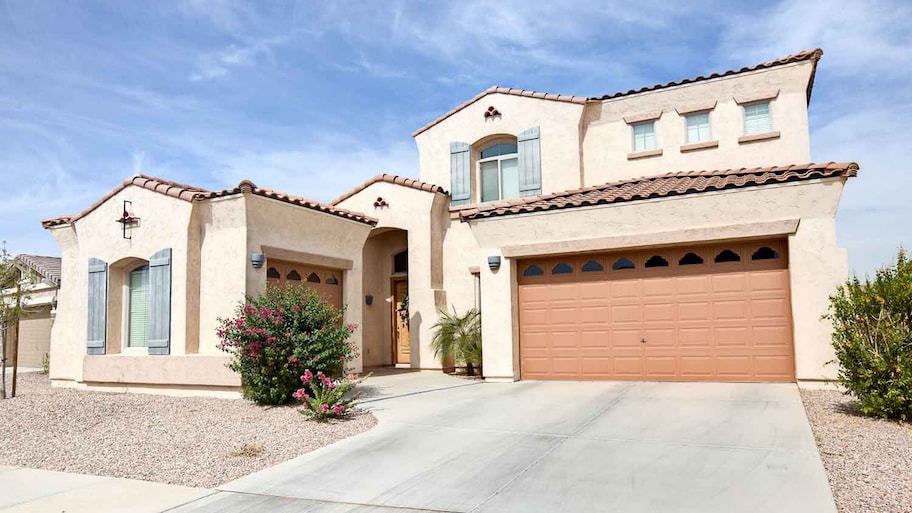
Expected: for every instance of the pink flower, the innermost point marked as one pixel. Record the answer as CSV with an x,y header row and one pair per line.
x,y
307,376
306,406
325,407
296,308
331,385
327,382
338,409
299,394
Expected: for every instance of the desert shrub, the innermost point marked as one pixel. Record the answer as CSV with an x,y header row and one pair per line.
x,y
275,336
324,398
872,321
458,336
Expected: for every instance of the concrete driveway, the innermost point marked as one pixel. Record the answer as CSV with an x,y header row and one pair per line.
x,y
558,446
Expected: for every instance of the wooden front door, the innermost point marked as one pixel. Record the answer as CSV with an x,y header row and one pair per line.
x,y
401,344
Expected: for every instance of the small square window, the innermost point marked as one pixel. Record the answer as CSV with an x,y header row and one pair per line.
x,y
757,118
697,127
644,137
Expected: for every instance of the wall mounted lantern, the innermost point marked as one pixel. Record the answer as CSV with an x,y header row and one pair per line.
x,y
494,262
257,260
369,299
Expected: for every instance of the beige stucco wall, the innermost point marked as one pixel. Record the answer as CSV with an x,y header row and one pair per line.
x,y
423,215
608,137
816,265
282,225
560,138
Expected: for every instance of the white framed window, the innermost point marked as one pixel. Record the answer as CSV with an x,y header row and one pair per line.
x,y
697,127
757,118
644,136
137,307
498,170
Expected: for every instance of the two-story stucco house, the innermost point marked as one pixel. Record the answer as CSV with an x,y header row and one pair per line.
x,y
675,232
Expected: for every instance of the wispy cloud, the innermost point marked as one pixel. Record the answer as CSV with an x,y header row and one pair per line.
x,y
218,64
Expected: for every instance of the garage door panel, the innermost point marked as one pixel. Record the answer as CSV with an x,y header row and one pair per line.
x,y
728,321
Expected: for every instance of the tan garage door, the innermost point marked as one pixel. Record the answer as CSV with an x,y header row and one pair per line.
x,y
701,313
326,282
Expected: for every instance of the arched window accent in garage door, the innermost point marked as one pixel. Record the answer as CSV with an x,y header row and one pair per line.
x,y
623,263
331,280
765,253
727,255
690,259
313,278
293,276
273,274
656,261
562,268
592,266
533,270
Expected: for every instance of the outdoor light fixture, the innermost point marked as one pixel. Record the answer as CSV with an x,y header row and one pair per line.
x,y
257,260
369,299
494,262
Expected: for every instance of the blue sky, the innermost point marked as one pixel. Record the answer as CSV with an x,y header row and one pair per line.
x,y
315,97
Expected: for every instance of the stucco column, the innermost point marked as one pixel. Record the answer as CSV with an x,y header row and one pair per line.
x,y
816,267
499,327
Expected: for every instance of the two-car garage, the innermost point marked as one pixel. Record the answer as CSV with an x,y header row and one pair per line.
x,y
718,312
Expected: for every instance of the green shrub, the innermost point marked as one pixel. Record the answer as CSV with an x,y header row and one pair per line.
x,y
872,336
458,336
276,336
324,398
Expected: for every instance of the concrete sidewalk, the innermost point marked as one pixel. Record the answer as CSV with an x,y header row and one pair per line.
x,y
41,491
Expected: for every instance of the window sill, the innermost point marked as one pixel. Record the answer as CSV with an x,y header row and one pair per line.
x,y
758,137
705,145
644,154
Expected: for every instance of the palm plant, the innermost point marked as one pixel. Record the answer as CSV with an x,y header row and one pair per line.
x,y
459,337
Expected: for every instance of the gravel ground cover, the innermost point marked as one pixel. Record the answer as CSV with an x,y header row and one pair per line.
x,y
868,461
180,440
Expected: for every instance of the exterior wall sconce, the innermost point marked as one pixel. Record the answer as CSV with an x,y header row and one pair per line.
x,y
369,299
257,260
494,262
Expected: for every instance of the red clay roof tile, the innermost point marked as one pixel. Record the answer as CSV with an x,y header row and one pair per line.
x,y
393,179
669,184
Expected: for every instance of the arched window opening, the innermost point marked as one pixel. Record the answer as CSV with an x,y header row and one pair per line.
x,y
533,270
727,256
623,263
138,307
592,267
273,274
656,261
498,168
400,262
690,259
331,280
293,276
313,278
561,268
765,253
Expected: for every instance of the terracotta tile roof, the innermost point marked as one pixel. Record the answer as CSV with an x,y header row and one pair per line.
x,y
504,90
670,184
46,266
249,187
393,179
159,185
806,55
192,193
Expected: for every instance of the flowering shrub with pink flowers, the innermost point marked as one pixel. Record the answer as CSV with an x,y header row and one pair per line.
x,y
274,337
325,398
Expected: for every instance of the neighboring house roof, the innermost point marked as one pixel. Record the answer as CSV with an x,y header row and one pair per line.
x,y
395,180
46,266
504,90
192,193
247,186
669,184
806,55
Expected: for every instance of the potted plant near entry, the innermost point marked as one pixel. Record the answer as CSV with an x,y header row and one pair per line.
x,y
459,337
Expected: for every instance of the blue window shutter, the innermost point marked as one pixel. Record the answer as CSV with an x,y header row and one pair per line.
x,y
529,150
160,302
98,307
460,174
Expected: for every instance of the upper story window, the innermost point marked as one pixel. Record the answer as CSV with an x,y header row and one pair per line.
x,y
498,170
757,118
697,127
644,136
138,307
